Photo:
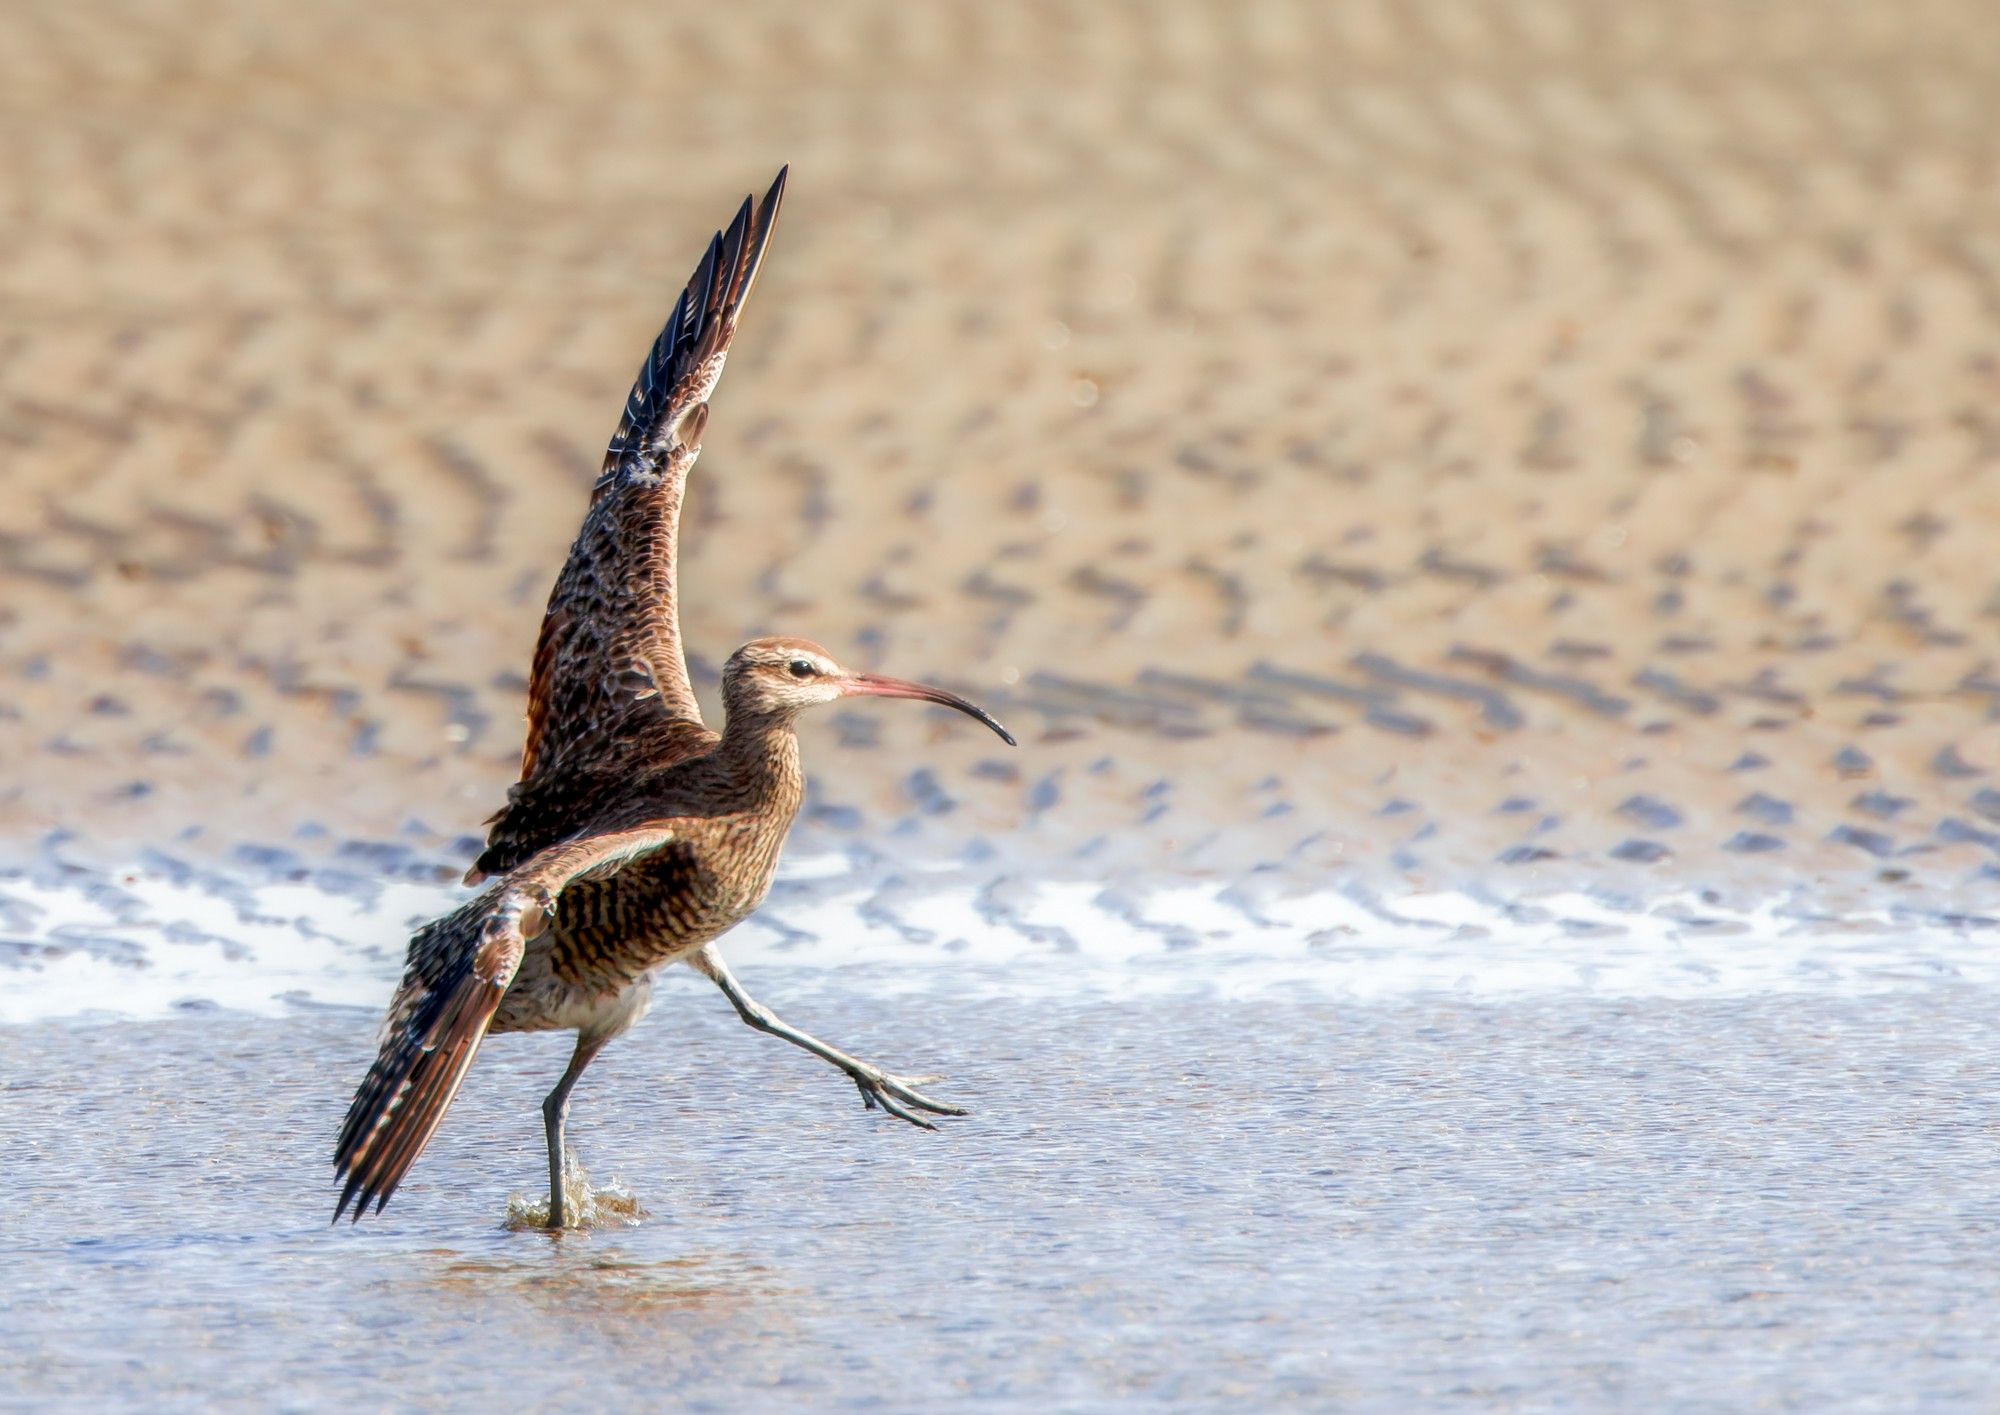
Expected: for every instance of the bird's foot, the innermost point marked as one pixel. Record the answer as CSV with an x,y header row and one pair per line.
x,y
898,1095
895,1095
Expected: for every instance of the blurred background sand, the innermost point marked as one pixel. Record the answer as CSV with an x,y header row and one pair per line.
x,y
1497,446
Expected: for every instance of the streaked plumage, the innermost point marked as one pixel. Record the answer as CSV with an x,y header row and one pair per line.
x,y
636,835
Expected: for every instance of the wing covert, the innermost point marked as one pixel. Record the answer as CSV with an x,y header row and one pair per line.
x,y
609,664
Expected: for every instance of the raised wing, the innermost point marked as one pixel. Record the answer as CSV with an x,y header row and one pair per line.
x,y
458,970
609,664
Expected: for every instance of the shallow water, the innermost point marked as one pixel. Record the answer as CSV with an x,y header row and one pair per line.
x,y
1550,1202
1228,1150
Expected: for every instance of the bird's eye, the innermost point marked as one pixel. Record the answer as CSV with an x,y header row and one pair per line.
x,y
802,668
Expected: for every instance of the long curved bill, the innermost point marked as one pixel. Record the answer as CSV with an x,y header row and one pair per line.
x,y
871,685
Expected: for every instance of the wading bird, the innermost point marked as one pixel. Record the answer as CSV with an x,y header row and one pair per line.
x,y
635,836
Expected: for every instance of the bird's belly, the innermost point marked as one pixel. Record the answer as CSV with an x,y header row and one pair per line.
x,y
602,983
538,1000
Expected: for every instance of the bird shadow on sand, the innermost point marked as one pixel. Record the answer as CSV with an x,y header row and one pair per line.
x,y
613,1206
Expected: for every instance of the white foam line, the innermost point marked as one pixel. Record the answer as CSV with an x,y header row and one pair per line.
x,y
1192,937
147,946
142,945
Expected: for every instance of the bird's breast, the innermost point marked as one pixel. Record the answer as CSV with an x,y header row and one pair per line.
x,y
608,933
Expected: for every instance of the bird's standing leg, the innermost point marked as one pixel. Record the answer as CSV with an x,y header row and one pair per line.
x,y
555,1111
877,1087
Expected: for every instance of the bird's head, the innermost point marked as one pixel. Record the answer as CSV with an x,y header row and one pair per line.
x,y
786,676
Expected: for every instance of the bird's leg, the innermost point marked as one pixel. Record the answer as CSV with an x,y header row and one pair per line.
x,y
555,1111
877,1087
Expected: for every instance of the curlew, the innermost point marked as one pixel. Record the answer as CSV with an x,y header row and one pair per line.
x,y
636,836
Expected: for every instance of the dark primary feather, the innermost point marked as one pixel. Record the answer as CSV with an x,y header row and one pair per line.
x,y
703,320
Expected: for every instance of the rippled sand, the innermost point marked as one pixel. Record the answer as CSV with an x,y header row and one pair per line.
x,y
1509,444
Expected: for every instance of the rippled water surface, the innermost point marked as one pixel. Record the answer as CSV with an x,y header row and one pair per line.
x,y
1175,1202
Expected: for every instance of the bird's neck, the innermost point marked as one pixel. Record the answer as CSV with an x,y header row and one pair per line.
x,y
760,754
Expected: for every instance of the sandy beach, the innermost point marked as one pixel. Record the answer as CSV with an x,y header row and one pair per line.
x,y
1450,496
1582,402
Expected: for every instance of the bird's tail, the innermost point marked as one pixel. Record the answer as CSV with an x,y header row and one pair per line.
x,y
435,1027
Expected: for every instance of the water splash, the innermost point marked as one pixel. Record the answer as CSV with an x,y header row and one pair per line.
x,y
613,1206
